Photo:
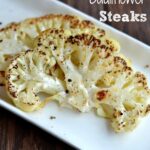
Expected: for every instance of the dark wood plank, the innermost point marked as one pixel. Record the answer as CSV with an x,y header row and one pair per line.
x,y
85,6
138,30
16,134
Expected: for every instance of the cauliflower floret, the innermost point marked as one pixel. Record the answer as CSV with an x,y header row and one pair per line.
x,y
114,67
122,96
28,74
18,37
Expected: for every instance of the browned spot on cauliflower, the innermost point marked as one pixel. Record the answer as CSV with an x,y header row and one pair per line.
x,y
17,37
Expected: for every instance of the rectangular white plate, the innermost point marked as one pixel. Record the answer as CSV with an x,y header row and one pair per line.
x,y
85,131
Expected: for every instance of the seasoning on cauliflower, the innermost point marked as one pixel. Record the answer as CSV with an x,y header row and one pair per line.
x,y
122,96
97,77
74,55
18,37
28,74
90,73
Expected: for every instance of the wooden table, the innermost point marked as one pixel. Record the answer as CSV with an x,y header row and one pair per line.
x,y
16,134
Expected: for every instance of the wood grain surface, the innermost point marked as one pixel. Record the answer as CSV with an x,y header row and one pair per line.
x,y
17,134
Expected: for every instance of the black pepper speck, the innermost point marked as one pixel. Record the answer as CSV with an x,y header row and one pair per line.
x,y
69,80
67,91
52,117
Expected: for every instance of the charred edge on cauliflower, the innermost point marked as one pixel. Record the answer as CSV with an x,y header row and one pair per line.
x,y
2,78
2,73
101,95
92,41
117,113
75,22
72,19
48,32
13,26
13,65
89,24
121,65
85,39
147,110
142,81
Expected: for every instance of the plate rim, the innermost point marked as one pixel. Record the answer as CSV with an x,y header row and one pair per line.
x,y
24,116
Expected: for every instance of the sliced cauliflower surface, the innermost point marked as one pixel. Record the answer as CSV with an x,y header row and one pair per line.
x,y
122,95
74,56
29,74
81,72
18,37
97,77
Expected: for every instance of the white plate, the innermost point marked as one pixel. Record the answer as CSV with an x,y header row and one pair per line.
x,y
85,131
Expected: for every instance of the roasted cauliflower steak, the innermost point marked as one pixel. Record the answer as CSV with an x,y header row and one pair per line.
x,y
74,55
17,37
97,77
